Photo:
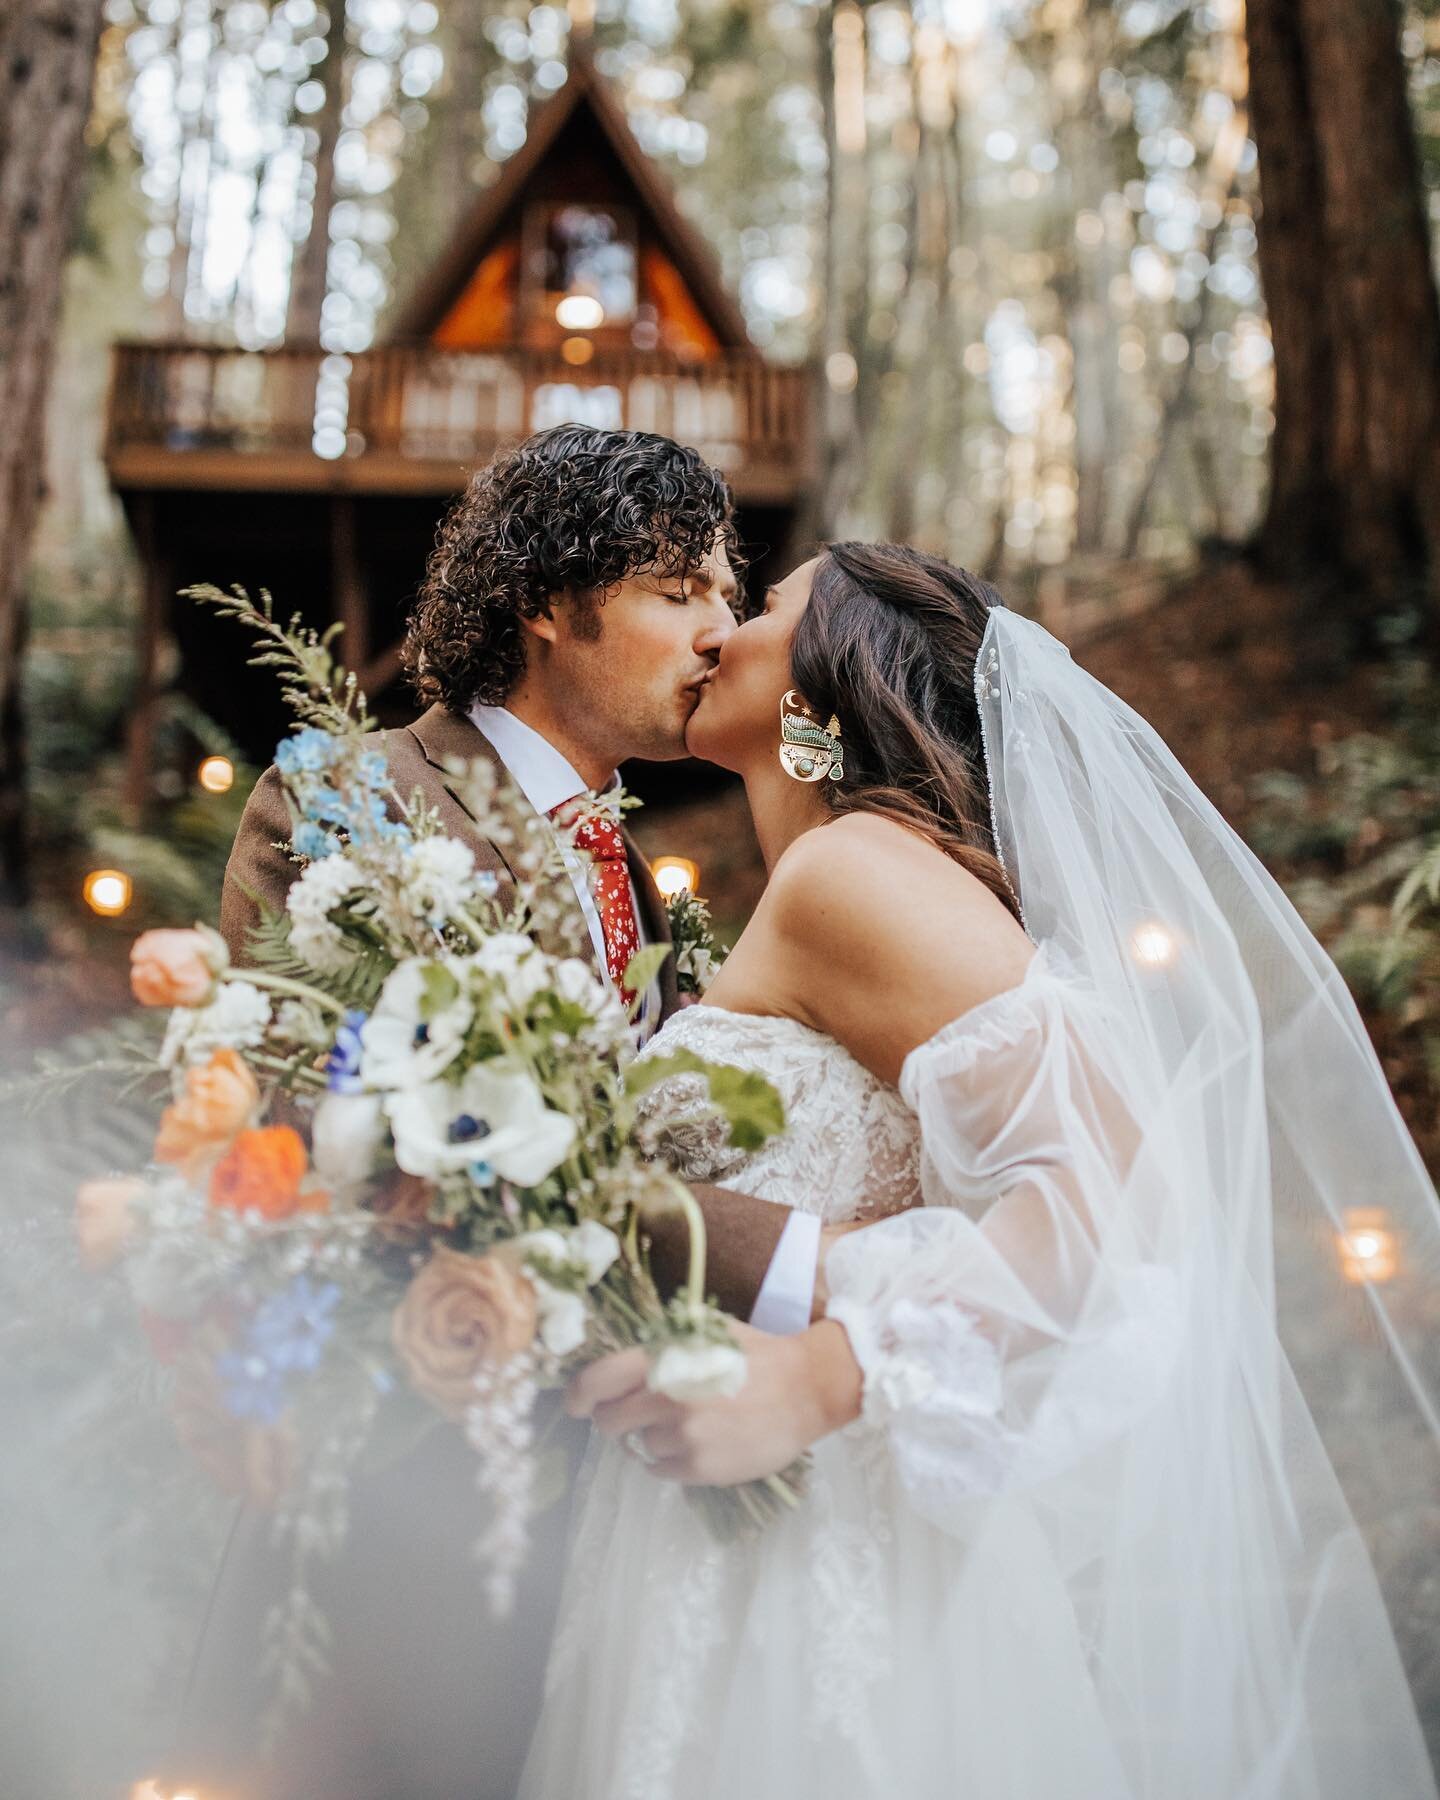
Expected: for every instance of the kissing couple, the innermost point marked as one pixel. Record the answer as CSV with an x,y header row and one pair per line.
x,y
1051,1047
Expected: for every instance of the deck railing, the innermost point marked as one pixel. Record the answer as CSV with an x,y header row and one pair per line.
x,y
423,404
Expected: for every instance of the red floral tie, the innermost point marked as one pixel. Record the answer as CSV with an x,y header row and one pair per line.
x,y
599,837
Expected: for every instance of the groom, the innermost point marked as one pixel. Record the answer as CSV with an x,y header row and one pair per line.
x,y
573,608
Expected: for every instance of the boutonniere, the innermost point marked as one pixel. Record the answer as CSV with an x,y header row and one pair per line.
x,y
697,957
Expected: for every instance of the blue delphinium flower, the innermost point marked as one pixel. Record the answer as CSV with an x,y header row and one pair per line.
x,y
373,769
342,1065
306,751
291,1328
252,1389
286,1335
313,842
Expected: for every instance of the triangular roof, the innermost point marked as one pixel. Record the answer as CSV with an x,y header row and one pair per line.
x,y
438,291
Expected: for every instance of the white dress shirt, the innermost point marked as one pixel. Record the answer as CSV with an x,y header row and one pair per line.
x,y
548,780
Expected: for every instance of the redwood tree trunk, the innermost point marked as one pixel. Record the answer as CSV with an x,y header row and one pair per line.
x,y
308,278
1345,264
48,50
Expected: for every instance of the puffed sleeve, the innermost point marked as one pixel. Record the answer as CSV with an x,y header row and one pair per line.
x,y
1028,1312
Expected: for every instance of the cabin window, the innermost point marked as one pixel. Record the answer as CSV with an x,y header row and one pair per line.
x,y
583,265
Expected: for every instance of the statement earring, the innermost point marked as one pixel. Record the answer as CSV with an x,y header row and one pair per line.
x,y
808,752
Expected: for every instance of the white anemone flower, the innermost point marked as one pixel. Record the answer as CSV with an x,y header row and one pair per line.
x,y
400,1048
492,1116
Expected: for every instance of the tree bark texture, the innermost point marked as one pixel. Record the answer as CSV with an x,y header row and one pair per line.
x,y
48,51
1345,264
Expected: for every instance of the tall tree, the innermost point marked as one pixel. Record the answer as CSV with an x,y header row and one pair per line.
x,y
312,261
1344,255
48,50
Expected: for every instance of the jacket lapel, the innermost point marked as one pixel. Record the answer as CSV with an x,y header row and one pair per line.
x,y
440,734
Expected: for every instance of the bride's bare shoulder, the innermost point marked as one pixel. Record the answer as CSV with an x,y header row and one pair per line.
x,y
878,862
864,908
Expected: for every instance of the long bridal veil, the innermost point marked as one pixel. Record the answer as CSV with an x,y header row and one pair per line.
x,y
1233,1601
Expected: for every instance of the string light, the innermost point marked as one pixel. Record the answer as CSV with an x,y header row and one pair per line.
x,y
1367,1245
216,774
579,312
577,350
107,892
675,875
1153,945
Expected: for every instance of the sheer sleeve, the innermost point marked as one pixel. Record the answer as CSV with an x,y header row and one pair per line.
x,y
1027,1313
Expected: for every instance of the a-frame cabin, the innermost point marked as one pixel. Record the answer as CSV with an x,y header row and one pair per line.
x,y
574,289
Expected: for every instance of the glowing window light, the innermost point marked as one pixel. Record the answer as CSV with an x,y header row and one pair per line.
x,y
577,350
216,775
1153,945
107,892
1367,1245
580,312
675,875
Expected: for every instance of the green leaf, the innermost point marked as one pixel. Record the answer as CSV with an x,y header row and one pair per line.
x,y
643,967
746,1100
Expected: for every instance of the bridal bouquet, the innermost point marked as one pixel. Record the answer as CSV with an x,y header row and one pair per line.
x,y
400,1156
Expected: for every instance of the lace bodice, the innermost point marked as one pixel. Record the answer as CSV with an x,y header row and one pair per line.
x,y
851,1148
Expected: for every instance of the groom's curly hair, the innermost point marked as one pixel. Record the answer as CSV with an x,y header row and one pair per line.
x,y
888,643
564,516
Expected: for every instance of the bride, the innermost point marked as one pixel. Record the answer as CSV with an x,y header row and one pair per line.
x,y
1052,1046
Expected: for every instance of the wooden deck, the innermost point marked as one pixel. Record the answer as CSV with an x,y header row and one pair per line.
x,y
412,419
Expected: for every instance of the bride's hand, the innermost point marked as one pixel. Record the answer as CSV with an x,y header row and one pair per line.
x,y
797,1389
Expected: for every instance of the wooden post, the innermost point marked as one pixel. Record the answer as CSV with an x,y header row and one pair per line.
x,y
156,581
348,599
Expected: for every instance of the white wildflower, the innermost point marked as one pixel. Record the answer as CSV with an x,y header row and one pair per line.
x,y
697,1369
346,1135
236,1019
564,1319
320,889
577,984
517,964
438,878
597,1247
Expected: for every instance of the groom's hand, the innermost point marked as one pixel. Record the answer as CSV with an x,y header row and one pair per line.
x,y
797,1389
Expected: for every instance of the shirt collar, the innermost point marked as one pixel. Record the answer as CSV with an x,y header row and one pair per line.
x,y
541,773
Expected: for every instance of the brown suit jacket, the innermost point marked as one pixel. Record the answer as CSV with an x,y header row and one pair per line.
x,y
430,1698
741,1231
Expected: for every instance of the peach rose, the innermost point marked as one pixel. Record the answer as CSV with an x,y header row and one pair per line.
x,y
104,1220
461,1314
219,1098
176,968
261,1172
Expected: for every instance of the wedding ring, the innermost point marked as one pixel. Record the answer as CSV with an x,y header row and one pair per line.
x,y
634,1442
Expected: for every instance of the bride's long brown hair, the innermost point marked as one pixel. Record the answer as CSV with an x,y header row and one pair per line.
x,y
888,643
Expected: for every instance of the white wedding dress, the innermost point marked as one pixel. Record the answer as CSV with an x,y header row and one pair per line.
x,y
934,1620
1085,1542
